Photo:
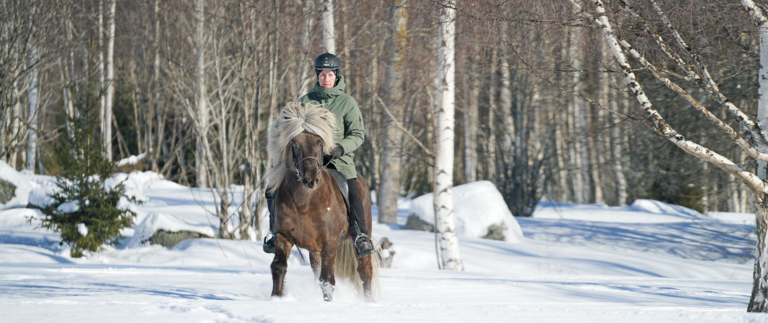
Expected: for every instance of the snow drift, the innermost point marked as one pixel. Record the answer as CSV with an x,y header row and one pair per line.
x,y
477,206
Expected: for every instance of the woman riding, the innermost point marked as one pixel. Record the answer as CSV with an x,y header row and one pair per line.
x,y
329,93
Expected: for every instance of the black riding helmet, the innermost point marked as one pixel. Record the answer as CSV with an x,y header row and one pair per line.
x,y
328,61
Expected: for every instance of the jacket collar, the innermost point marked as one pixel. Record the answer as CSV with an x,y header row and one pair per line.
x,y
328,93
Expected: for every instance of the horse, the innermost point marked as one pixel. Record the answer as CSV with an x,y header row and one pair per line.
x,y
311,211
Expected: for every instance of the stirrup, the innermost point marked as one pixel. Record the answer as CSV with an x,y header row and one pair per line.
x,y
363,245
269,245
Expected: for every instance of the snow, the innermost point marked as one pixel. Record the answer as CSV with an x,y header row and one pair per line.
x,y
83,229
133,160
23,186
650,262
476,206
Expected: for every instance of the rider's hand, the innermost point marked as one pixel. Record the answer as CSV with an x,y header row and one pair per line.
x,y
337,152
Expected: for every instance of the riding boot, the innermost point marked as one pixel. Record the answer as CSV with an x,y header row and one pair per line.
x,y
357,225
269,241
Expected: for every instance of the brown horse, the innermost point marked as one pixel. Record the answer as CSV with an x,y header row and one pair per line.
x,y
311,212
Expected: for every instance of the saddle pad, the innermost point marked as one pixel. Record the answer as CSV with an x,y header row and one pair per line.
x,y
342,182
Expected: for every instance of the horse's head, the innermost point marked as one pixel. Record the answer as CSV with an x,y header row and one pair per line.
x,y
306,158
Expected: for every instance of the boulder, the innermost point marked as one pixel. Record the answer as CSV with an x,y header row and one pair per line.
x,y
479,209
167,230
169,239
14,188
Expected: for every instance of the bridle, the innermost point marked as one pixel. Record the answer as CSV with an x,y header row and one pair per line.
x,y
319,163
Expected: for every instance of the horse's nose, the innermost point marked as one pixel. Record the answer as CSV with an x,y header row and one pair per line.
x,y
304,181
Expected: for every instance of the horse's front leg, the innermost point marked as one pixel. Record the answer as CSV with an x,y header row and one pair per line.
x,y
365,270
280,264
327,278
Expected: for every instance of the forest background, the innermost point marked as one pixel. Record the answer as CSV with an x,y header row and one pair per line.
x,y
542,109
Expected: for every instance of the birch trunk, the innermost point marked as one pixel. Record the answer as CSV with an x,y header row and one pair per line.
x,y
445,222
616,151
579,154
15,127
759,300
33,97
389,189
102,98
470,125
329,34
306,80
159,115
110,79
491,144
200,97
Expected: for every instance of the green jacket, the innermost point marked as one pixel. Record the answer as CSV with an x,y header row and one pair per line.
x,y
349,121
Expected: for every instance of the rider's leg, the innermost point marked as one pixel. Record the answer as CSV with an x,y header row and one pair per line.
x,y
357,225
269,242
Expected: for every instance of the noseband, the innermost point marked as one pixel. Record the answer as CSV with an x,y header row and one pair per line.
x,y
302,160
310,157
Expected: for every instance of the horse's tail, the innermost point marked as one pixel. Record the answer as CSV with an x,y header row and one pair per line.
x,y
346,265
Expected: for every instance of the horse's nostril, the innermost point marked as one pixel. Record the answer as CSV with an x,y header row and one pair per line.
x,y
305,181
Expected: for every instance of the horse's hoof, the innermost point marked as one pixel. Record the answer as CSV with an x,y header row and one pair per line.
x,y
328,298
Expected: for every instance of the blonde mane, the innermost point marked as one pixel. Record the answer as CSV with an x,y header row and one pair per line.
x,y
294,119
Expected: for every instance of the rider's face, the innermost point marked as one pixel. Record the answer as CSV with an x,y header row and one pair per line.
x,y
327,78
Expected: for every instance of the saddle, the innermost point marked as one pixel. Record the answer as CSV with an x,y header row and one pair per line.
x,y
341,182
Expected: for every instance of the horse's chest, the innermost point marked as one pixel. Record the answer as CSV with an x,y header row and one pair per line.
x,y
312,231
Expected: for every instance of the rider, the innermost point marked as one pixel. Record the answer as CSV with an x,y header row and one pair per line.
x,y
329,92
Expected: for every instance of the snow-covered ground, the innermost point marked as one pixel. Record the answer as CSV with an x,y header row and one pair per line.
x,y
650,262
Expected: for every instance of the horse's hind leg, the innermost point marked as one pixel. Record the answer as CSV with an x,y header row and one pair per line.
x,y
314,261
365,270
327,278
280,264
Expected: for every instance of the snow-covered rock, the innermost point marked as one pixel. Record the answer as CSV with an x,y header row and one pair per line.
x,y
476,206
155,222
22,187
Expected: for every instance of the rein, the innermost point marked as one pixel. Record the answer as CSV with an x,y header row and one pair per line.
x,y
262,182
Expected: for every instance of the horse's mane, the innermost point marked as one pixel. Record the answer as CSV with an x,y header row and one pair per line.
x,y
294,119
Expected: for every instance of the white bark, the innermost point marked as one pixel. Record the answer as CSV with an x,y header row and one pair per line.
x,y
200,97
445,223
110,79
762,76
33,98
759,299
306,80
389,189
329,33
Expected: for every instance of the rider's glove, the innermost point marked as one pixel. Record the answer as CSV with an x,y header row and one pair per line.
x,y
337,152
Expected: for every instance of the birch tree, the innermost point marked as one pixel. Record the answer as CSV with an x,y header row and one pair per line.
x,y
693,68
445,223
110,93
200,96
329,33
33,98
389,190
